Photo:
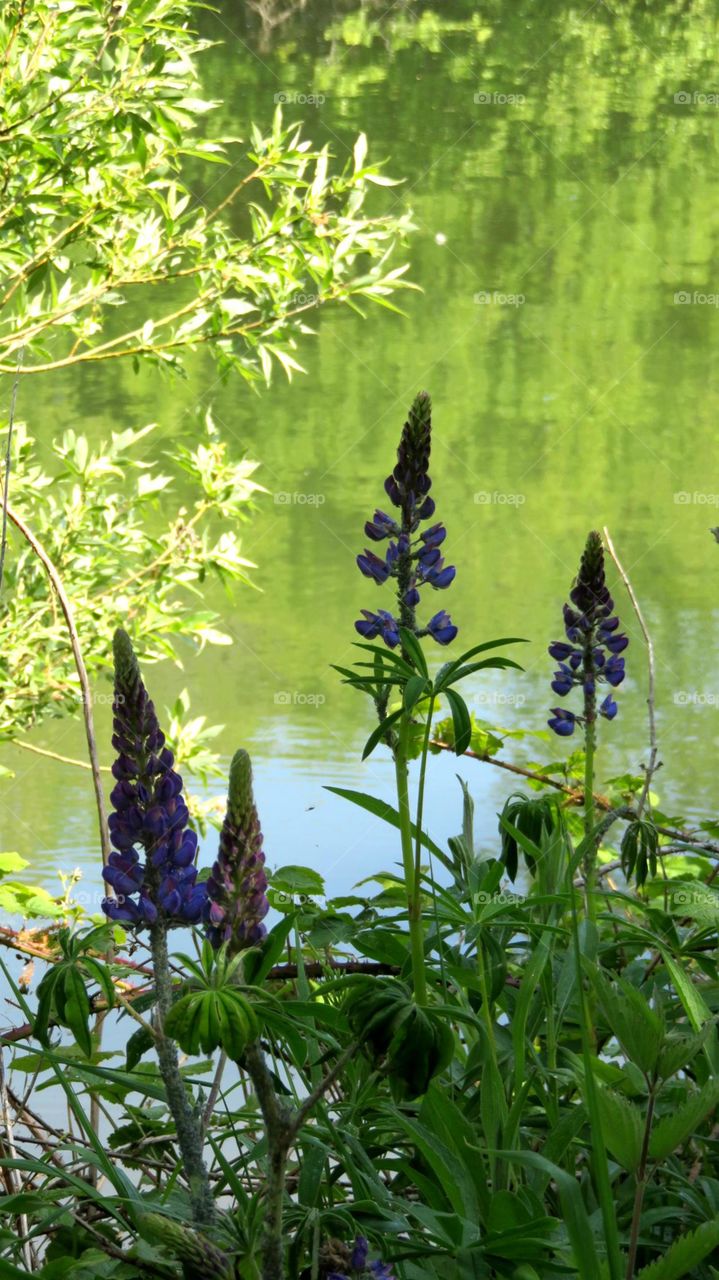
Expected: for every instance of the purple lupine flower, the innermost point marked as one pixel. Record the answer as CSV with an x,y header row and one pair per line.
x,y
591,656
360,1253
441,628
413,558
237,887
381,624
381,526
353,1260
562,721
149,813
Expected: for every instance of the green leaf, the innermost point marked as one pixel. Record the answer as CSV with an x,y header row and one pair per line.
x,y
696,1007
75,1006
138,1044
415,689
381,809
379,733
637,1027
622,1128
293,879
674,1129
576,1219
12,862
413,649
460,720
447,671
684,1255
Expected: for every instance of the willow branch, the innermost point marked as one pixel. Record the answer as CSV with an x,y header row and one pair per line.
x,y
54,755
56,583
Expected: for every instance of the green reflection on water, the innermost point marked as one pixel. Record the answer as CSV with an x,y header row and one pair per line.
x,y
562,170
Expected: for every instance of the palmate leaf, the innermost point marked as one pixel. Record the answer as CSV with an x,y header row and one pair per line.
x,y
684,1255
447,673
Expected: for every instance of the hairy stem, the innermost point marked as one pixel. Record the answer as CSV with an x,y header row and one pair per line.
x,y
641,1187
187,1123
282,1125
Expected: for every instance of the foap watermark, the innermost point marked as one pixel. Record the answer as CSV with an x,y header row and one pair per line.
x,y
696,98
295,99
100,699
295,698
495,498
280,898
483,98
497,699
685,298
502,896
695,698
693,898
297,499
495,298
304,299
684,499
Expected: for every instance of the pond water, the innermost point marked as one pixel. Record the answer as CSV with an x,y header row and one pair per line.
x,y
561,166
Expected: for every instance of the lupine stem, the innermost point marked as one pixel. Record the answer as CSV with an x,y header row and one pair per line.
x,y
416,932
420,812
282,1126
187,1122
590,744
641,1187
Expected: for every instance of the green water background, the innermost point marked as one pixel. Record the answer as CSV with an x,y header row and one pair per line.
x,y
561,163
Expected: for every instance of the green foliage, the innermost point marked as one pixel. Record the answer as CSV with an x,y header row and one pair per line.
x,y
62,996
217,1015
101,108
102,517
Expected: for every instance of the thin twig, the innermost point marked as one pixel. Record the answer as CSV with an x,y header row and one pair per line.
x,y
320,1089
651,768
214,1093
54,755
56,583
8,463
28,1258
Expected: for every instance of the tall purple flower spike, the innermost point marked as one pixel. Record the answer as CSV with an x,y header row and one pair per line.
x,y
149,815
413,559
236,890
590,656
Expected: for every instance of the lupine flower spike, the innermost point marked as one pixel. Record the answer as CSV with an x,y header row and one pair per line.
x,y
340,1262
236,890
413,560
149,815
590,656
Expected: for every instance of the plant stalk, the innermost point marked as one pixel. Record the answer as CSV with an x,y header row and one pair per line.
x,y
187,1122
412,887
641,1187
590,745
